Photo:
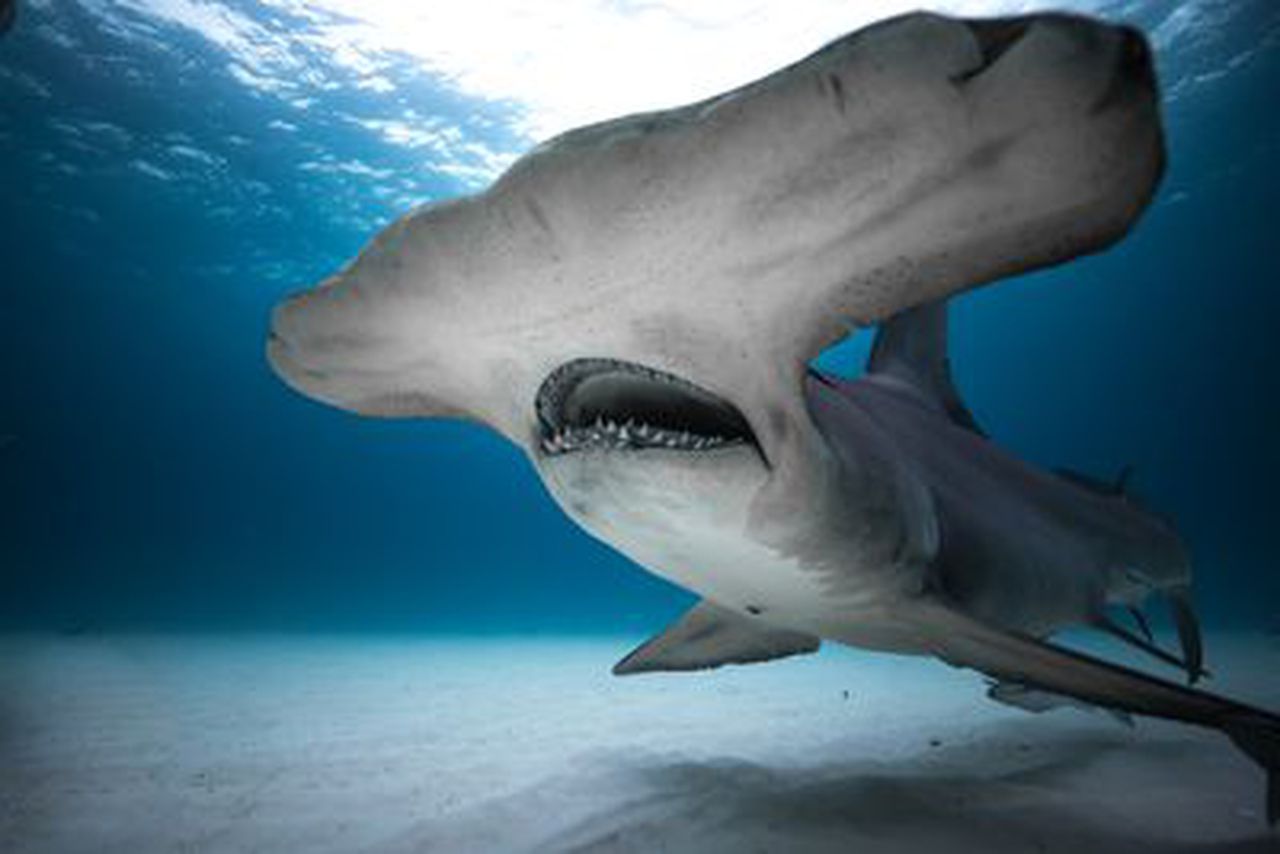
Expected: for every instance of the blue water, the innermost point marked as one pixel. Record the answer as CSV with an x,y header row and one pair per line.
x,y
153,473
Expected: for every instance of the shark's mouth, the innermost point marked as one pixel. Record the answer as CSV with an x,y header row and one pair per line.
x,y
606,404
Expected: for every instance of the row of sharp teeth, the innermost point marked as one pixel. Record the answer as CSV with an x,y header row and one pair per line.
x,y
609,435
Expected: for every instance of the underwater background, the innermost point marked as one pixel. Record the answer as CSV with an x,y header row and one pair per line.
x,y
170,169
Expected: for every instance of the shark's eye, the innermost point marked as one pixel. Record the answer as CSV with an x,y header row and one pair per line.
x,y
606,404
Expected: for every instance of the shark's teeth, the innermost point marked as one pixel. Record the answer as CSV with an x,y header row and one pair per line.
x,y
606,435
603,404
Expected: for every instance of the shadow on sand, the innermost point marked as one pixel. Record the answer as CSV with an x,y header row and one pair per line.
x,y
1010,790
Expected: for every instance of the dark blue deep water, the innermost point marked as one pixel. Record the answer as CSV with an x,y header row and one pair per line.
x,y
157,198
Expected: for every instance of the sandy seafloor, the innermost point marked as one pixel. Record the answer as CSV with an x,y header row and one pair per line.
x,y
295,743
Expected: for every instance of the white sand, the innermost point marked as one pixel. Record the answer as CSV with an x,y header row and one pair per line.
x,y
347,744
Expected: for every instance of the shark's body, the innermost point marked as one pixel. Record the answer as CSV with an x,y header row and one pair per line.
x,y
635,304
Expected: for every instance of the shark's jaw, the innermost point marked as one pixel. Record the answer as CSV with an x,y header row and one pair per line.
x,y
658,466
611,405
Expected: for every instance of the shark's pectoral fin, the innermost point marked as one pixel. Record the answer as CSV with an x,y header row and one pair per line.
x,y
1011,656
1032,699
911,349
709,636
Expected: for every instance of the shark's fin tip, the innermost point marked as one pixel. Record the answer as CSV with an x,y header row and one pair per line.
x,y
709,636
911,347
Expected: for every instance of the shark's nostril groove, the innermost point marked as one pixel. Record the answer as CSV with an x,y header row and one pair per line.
x,y
994,37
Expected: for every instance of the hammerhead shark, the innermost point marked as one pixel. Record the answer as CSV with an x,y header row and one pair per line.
x,y
636,304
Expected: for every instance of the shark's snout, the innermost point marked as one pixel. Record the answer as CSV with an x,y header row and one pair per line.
x,y
296,352
285,364
336,345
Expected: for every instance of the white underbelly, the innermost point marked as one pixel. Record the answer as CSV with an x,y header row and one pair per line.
x,y
733,571
690,522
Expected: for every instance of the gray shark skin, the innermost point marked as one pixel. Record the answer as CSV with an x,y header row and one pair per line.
x,y
635,304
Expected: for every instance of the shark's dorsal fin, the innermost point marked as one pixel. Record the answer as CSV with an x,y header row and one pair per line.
x,y
911,348
709,635
1115,488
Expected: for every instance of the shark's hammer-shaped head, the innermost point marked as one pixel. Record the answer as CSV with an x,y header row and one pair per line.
x,y
634,302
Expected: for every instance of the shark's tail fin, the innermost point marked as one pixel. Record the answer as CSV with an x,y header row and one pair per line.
x,y
1006,655
1259,738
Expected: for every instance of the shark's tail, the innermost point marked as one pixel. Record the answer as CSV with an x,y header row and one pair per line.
x,y
1259,738
1010,656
